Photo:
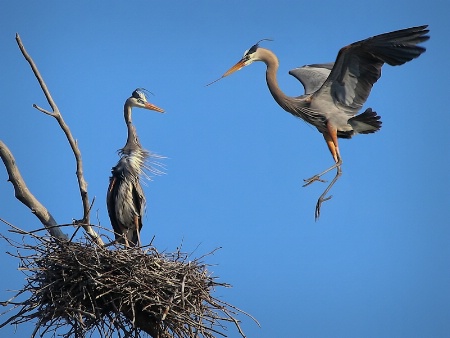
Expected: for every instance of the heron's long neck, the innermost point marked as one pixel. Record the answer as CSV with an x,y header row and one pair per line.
x,y
288,103
132,155
127,113
131,132
133,144
271,61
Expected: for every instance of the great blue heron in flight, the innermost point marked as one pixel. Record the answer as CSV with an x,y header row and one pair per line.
x,y
335,92
125,198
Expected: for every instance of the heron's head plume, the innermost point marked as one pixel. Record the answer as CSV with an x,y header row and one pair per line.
x,y
139,99
250,55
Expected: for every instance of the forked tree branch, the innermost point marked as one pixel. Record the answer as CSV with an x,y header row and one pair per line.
x,y
129,291
84,222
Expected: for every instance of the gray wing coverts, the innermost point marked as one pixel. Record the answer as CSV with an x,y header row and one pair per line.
x,y
312,76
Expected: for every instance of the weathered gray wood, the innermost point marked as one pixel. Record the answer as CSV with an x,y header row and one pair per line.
x,y
25,196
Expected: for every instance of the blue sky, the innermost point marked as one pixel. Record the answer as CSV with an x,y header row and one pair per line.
x,y
376,264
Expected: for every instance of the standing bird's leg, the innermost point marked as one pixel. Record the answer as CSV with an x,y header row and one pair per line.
x,y
332,142
125,237
136,226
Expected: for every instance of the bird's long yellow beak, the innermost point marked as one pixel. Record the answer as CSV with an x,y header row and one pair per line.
x,y
241,64
236,67
150,106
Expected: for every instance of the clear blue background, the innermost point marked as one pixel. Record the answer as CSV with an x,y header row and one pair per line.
x,y
376,264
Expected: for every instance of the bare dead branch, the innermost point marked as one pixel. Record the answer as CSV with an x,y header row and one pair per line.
x,y
85,221
25,196
42,110
84,287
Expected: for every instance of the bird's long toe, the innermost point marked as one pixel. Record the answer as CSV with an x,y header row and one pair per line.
x,y
313,179
319,204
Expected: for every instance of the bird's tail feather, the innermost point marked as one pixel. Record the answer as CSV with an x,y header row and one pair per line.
x,y
366,123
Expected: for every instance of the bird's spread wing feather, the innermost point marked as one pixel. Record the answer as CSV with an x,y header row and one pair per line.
x,y
312,76
358,66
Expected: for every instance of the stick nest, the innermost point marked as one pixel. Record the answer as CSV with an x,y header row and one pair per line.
x,y
78,288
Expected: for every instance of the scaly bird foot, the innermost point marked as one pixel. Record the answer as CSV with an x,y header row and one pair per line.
x,y
318,205
310,180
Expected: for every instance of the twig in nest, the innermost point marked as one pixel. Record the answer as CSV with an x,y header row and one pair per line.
x,y
79,288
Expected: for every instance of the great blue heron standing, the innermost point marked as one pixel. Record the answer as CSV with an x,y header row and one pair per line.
x,y
335,92
125,198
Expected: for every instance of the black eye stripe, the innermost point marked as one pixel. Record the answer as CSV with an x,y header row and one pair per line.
x,y
253,49
138,95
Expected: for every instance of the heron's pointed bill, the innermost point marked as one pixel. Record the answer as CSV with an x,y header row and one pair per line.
x,y
241,64
153,107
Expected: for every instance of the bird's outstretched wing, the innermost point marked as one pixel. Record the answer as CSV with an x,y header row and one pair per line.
x,y
358,66
312,77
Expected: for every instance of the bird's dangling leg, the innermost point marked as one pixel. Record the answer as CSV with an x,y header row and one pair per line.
x,y
332,142
331,139
317,178
323,197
